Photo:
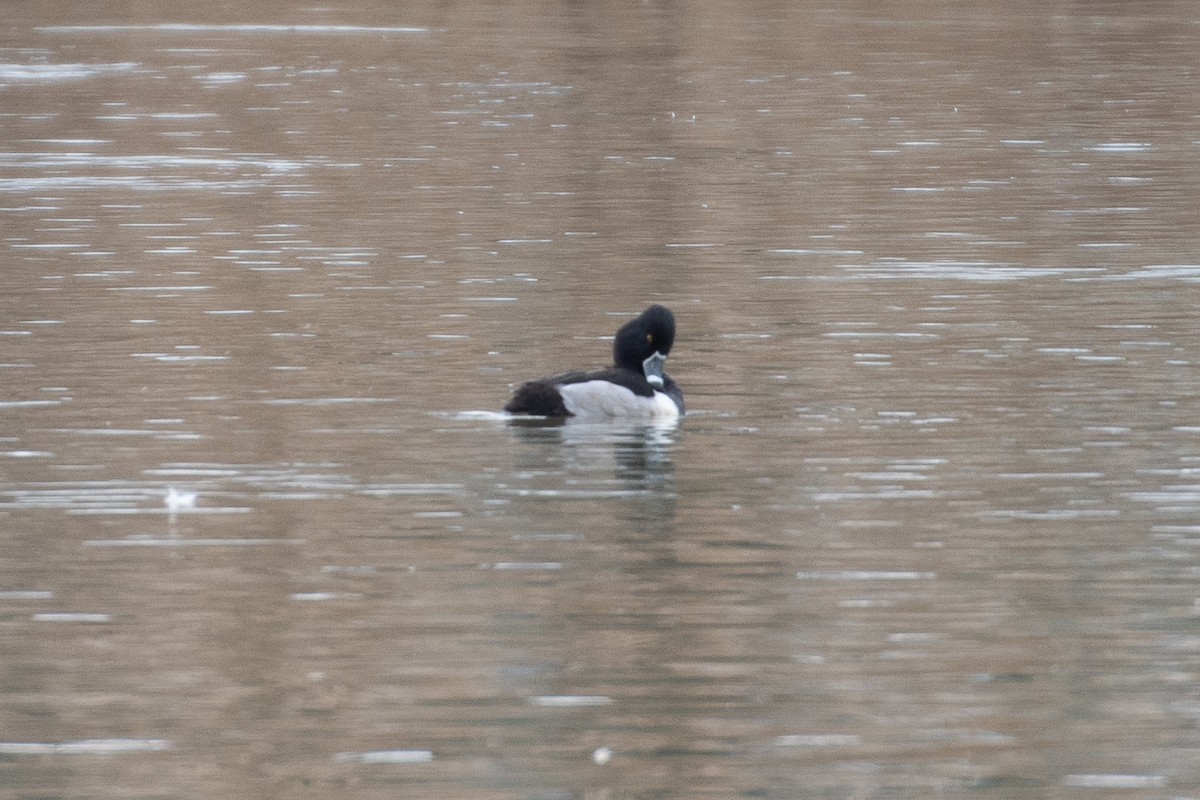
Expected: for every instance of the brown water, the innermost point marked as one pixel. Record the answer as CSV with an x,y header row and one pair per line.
x,y
931,527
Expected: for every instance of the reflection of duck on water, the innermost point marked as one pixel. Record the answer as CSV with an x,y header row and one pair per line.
x,y
634,387
640,454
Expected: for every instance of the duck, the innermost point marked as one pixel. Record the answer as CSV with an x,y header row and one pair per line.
x,y
634,387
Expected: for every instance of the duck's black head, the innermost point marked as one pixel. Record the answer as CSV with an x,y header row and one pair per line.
x,y
642,344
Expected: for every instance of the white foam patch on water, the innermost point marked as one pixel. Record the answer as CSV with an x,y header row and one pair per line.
x,y
385,757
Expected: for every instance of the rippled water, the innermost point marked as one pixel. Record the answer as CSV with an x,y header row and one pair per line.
x,y
930,528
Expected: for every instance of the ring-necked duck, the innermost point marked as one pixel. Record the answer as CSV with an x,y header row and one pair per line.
x,y
635,386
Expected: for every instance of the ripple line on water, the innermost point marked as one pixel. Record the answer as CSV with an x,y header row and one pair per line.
x,y
86,747
188,27
177,542
385,757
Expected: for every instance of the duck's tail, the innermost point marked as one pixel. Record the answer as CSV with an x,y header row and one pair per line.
x,y
539,399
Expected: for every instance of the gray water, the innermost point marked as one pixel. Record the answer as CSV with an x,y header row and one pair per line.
x,y
931,527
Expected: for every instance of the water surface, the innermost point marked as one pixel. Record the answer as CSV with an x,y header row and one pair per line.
x,y
929,529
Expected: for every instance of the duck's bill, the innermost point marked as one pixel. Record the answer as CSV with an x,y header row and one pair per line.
x,y
653,368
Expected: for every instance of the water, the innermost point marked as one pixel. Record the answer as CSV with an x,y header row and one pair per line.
x,y
931,527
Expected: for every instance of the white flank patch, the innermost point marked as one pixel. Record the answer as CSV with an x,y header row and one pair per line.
x,y
601,399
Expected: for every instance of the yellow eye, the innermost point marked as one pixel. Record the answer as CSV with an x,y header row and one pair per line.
x,y
650,338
